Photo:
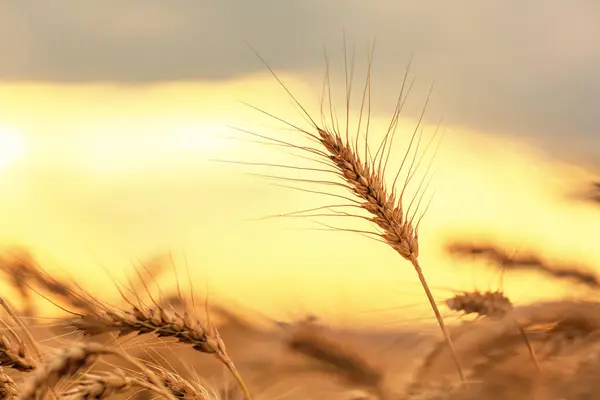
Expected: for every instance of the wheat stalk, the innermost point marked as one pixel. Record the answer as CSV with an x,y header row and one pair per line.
x,y
366,180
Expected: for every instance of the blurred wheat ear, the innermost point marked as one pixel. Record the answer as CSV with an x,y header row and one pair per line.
x,y
490,305
70,360
364,174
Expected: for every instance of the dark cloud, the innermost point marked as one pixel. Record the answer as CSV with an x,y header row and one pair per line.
x,y
523,67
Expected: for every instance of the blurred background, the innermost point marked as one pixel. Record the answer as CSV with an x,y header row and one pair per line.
x,y
114,121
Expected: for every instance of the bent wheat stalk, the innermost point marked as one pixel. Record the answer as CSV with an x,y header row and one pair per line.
x,y
366,180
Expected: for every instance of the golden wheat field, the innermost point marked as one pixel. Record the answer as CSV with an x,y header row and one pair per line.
x,y
281,229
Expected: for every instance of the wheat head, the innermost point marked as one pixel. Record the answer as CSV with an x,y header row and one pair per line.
x,y
489,304
163,323
65,363
14,355
181,388
8,387
100,386
366,180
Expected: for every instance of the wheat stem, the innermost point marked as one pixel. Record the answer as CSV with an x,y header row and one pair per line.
x,y
439,317
529,346
236,375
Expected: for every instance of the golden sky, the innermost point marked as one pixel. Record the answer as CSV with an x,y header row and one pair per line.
x,y
94,176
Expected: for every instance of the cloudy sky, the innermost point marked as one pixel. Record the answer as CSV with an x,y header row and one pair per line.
x,y
111,113
513,67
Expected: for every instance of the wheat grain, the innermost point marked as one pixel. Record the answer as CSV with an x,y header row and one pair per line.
x,y
100,386
8,387
181,388
14,355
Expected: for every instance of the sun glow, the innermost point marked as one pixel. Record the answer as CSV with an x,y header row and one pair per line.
x,y
103,179
11,147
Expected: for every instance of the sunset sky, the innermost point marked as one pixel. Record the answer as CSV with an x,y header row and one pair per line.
x,y
113,114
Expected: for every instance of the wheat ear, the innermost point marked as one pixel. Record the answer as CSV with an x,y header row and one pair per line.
x,y
26,273
485,304
13,355
21,325
8,387
162,323
366,181
492,305
106,384
339,359
181,388
69,361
